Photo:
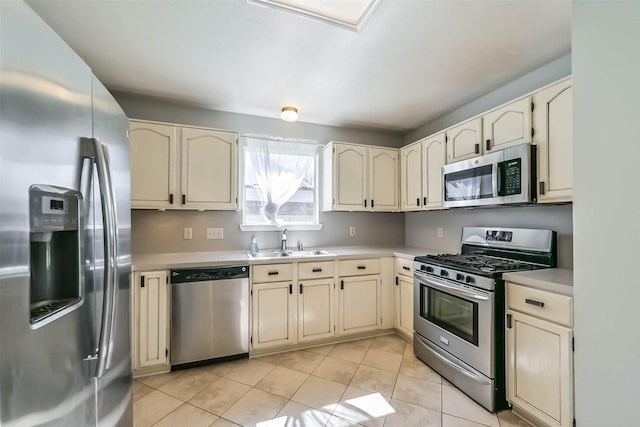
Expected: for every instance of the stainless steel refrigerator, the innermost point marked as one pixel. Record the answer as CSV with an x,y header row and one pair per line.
x,y
64,235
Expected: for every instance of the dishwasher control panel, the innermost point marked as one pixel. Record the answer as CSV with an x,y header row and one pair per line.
x,y
205,274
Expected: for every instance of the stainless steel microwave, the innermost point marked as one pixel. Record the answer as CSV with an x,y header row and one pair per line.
x,y
503,177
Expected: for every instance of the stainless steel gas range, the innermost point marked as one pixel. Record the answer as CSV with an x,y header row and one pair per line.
x,y
459,306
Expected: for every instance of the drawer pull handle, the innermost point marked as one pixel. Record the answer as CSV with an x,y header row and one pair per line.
x,y
317,270
534,302
404,267
273,273
362,267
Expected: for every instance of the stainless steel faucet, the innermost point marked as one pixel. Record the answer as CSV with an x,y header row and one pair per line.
x,y
283,243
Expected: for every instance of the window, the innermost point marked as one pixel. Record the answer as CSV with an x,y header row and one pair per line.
x,y
279,183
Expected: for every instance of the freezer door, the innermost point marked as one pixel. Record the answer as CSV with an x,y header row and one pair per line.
x,y
45,107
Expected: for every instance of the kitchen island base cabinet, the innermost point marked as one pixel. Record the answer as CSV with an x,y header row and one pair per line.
x,y
150,322
274,316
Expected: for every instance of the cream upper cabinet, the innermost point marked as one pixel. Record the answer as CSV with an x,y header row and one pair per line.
x,y
464,140
153,150
552,121
150,320
208,172
384,179
507,126
315,309
540,355
357,176
421,173
176,167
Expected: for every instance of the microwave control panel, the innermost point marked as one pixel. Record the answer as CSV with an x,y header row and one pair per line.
x,y
510,177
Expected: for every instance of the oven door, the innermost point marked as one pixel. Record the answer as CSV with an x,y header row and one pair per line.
x,y
457,318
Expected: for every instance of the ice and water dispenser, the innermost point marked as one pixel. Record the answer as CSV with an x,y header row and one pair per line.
x,y
56,278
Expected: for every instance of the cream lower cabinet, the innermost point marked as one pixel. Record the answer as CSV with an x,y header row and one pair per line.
x,y
273,306
150,321
404,297
359,305
540,355
316,300
177,167
552,120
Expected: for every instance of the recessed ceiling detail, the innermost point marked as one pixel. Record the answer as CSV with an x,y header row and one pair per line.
x,y
349,14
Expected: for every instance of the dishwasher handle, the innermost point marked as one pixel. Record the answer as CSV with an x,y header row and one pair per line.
x,y
206,274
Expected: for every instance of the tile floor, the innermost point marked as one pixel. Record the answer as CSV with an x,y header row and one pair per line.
x,y
369,382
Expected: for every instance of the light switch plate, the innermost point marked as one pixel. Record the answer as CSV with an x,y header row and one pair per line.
x,y
188,233
215,233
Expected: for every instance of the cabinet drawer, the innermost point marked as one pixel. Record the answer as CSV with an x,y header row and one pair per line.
x,y
545,305
359,267
272,273
313,270
404,267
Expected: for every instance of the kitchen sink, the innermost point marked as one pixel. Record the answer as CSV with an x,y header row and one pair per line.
x,y
311,252
289,253
268,254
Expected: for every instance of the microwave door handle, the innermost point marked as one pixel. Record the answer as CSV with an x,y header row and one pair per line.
x,y
495,178
99,153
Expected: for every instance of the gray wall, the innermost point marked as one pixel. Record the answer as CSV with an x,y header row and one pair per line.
x,y
606,214
542,76
421,227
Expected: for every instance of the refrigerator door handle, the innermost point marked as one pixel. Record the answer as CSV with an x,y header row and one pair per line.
x,y
99,153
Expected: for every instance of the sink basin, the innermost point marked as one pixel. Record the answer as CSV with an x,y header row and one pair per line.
x,y
268,254
311,252
291,253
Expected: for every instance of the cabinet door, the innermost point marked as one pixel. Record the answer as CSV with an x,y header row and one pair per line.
x,y
540,369
153,165
552,120
350,177
315,309
404,307
411,177
384,179
507,126
151,290
433,158
208,169
274,314
359,304
464,141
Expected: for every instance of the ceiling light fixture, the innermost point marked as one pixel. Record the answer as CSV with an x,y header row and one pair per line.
x,y
289,114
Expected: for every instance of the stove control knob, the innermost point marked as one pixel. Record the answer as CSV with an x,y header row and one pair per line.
x,y
444,273
428,269
460,277
470,279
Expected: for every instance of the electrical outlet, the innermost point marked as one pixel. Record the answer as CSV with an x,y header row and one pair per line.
x,y
188,233
352,231
215,233
440,232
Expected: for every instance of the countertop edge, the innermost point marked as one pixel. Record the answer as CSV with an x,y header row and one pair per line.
x,y
556,280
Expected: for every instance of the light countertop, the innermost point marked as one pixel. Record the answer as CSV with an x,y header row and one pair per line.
x,y
164,261
557,280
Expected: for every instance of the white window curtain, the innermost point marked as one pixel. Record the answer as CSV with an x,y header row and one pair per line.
x,y
280,166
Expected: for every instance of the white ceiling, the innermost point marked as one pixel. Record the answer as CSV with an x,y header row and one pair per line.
x,y
413,61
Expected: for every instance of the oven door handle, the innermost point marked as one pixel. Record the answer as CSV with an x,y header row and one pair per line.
x,y
454,365
455,290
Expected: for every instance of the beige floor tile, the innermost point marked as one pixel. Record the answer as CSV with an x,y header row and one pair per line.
x,y
419,392
295,414
365,342
323,350
157,381
374,379
363,407
336,421
274,359
383,360
408,350
407,414
140,390
319,393
249,372
219,396
303,361
282,381
187,416
152,408
451,421
349,351
508,419
414,367
222,368
221,422
445,382
458,404
255,407
337,370
187,385
389,343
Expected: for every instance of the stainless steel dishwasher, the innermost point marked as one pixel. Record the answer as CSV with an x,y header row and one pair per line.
x,y
209,314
